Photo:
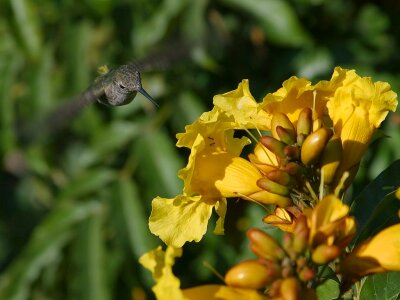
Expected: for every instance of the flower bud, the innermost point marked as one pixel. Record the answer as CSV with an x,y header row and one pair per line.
x,y
285,135
293,168
314,144
274,145
330,159
290,289
325,253
274,290
273,187
264,246
250,274
306,274
292,152
266,197
304,122
281,120
300,236
280,177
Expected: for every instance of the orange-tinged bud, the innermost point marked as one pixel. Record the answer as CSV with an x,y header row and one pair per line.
x,y
264,246
306,274
293,168
290,289
285,135
280,177
280,119
325,253
250,274
300,236
274,290
273,187
292,152
314,145
304,122
331,158
273,145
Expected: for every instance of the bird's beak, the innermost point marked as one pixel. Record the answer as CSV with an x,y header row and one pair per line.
x,y
144,93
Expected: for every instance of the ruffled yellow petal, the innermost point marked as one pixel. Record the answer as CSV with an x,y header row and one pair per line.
x,y
210,125
221,292
160,265
295,94
379,254
357,108
241,105
181,219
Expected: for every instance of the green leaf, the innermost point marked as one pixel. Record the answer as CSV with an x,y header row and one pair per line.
x,y
385,286
330,288
376,209
88,257
27,23
44,247
134,217
88,182
277,18
159,163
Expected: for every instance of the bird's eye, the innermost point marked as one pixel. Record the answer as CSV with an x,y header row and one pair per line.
x,y
121,86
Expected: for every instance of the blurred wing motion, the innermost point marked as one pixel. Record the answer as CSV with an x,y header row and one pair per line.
x,y
115,88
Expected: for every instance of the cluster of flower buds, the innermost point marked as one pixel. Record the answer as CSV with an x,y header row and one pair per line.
x,y
307,151
287,269
282,270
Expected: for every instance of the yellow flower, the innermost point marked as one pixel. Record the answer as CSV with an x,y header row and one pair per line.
x,y
330,223
160,263
214,172
357,108
379,254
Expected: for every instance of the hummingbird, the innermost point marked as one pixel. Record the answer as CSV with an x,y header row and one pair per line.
x,y
115,87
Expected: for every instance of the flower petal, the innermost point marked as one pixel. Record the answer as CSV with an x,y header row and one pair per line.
x,y
379,254
357,108
294,95
181,219
160,265
241,105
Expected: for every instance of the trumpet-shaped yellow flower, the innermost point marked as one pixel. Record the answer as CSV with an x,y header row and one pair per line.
x,y
357,108
379,254
160,263
330,223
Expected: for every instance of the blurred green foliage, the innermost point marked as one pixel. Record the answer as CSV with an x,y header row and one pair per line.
x,y
74,204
